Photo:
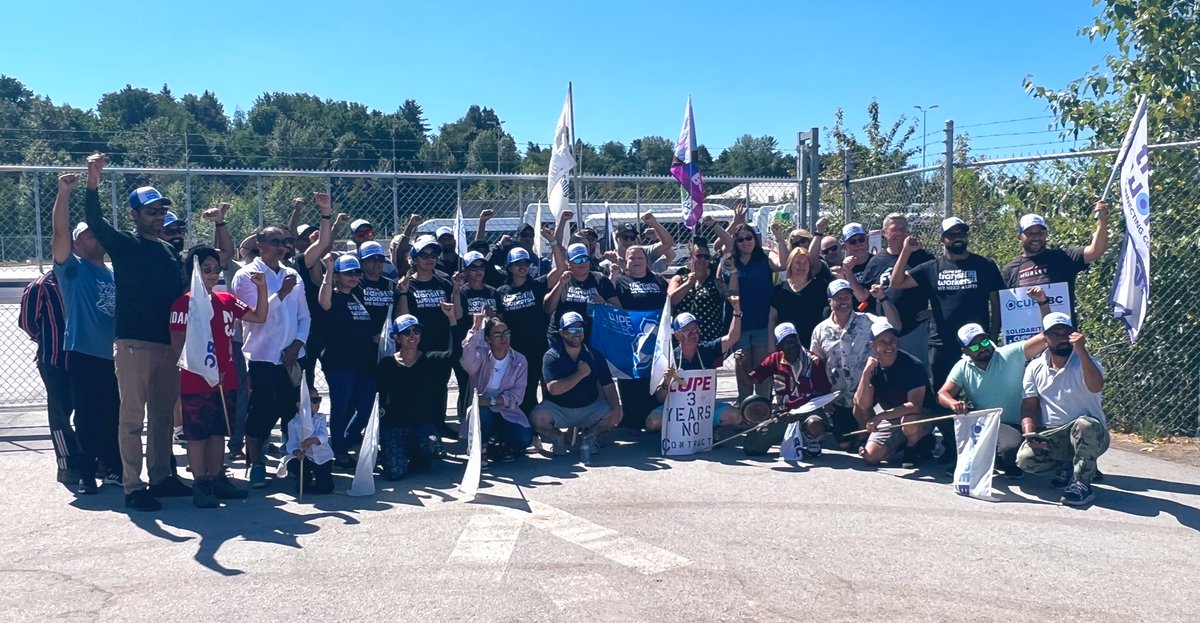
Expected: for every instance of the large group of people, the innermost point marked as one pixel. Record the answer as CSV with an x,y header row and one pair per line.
x,y
899,335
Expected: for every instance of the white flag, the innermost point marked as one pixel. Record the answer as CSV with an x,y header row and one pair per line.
x,y
199,354
664,352
976,434
364,472
305,421
387,347
558,180
1130,295
470,480
460,232
537,241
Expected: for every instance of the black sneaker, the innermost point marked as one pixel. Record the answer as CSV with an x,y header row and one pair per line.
x,y
1062,478
203,496
1012,472
68,477
86,486
812,446
343,461
508,455
223,489
910,457
170,488
949,455
142,500
1078,494
1099,477
114,478
445,432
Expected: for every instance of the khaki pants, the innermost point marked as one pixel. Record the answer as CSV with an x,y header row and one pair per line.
x,y
148,381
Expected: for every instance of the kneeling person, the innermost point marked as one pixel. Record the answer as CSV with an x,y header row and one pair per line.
x,y
579,389
896,382
692,354
1065,428
798,376
314,450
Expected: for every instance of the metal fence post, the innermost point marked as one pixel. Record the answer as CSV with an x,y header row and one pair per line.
x,y
395,203
814,178
801,213
458,203
37,216
260,202
187,198
520,203
948,173
113,185
847,196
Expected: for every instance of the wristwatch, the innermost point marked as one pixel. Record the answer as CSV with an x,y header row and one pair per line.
x,y
492,401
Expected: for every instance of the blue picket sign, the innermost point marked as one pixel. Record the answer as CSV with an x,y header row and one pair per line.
x,y
625,338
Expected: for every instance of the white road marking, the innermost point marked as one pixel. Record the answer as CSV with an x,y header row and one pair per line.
x,y
488,539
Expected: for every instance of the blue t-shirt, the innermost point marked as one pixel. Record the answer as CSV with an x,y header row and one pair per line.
x,y
755,288
998,387
557,364
90,296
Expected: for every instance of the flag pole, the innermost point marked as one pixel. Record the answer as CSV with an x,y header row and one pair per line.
x,y
301,495
578,163
224,408
1119,161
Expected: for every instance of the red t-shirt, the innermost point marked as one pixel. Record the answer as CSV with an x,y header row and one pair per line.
x,y
791,390
226,309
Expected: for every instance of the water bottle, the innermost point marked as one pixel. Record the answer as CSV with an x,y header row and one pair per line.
x,y
585,450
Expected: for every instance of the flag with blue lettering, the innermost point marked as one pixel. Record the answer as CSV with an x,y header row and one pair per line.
x,y
199,354
626,339
1130,294
976,434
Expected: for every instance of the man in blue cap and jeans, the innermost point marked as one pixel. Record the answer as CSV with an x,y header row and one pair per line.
x,y
579,390
149,279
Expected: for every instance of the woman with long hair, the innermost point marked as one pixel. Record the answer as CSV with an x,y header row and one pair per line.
x,y
519,305
800,297
701,291
498,376
350,357
638,289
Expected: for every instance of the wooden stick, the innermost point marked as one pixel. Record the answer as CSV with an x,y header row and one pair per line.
x,y
932,419
758,426
225,408
301,496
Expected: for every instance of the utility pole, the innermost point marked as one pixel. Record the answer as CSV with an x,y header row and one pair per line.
x,y
924,116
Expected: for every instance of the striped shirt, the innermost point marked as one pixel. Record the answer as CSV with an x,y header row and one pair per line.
x,y
43,319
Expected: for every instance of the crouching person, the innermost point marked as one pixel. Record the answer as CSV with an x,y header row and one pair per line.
x,y
499,375
798,376
579,390
692,354
410,406
896,382
1064,426
317,473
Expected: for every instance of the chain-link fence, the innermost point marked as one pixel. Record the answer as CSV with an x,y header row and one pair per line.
x,y
385,199
1153,386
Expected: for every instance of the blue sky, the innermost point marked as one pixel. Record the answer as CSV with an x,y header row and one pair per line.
x,y
767,67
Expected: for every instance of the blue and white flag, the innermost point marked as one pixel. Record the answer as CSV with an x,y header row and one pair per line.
x,y
199,354
1130,295
562,161
626,339
663,356
975,434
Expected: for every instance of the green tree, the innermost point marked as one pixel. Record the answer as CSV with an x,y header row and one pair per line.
x,y
751,157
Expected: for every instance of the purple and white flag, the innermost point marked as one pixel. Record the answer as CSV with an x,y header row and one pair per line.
x,y
685,169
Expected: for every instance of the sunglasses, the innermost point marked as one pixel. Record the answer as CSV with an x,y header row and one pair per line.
x,y
702,256
281,242
153,211
475,267
502,335
830,250
351,273
800,242
984,343
520,264
364,231
574,330
176,227
427,256
856,240
744,239
583,259
627,238
409,332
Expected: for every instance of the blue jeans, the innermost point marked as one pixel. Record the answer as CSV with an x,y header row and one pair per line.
x,y
512,436
351,398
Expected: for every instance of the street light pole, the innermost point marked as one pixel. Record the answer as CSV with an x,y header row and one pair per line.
x,y
924,116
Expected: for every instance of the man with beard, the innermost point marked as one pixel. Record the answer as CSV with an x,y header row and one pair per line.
x,y
173,231
449,261
1064,425
963,288
579,390
989,377
148,276
798,376
1038,265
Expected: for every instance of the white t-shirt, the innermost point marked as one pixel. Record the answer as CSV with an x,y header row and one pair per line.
x,y
499,367
1064,396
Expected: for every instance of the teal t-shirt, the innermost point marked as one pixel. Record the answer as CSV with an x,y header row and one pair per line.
x,y
90,297
997,387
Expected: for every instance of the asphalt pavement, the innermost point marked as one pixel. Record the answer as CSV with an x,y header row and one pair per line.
x,y
631,537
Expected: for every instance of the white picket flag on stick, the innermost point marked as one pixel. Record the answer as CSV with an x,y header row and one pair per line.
x,y
306,425
470,480
364,472
664,351
1130,294
976,434
199,354
562,161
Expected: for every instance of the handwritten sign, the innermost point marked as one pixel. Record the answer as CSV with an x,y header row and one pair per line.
x,y
1020,316
687,426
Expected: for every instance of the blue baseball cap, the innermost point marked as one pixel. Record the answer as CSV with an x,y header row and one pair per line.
x,y
370,249
682,320
346,263
569,319
471,257
169,218
146,195
518,254
576,251
404,323
851,230
422,243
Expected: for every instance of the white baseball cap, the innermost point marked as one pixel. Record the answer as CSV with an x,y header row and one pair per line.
x,y
1030,220
968,332
1053,319
682,320
783,330
952,222
882,326
837,285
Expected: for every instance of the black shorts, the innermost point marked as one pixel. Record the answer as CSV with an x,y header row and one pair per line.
x,y
204,416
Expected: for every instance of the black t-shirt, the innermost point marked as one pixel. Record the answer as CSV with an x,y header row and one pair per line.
x,y
521,308
424,302
473,302
376,297
576,296
893,383
557,364
959,292
908,302
646,293
1049,266
312,292
804,309
708,356
349,321
405,395
449,262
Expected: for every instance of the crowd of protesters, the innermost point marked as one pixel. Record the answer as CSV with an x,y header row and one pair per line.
x,y
899,335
